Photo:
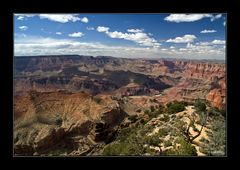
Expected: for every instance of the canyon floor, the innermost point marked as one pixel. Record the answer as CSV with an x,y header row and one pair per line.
x,y
74,105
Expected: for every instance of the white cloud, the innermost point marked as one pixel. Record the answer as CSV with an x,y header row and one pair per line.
x,y
139,37
85,20
216,17
90,28
31,45
134,30
135,35
182,49
208,31
224,23
203,43
189,45
185,17
185,39
214,42
58,33
23,28
190,17
172,47
20,18
23,16
62,18
76,34
218,42
102,29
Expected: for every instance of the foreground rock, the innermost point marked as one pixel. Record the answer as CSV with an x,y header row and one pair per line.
x,y
60,120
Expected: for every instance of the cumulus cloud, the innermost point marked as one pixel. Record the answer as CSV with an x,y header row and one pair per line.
x,y
23,28
224,23
204,50
135,35
20,18
185,39
207,31
23,16
90,28
49,46
209,43
84,19
190,17
102,29
58,33
216,17
134,30
62,18
76,34
219,42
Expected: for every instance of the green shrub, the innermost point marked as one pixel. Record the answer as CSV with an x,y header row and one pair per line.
x,y
133,118
215,112
175,107
195,129
146,112
123,148
163,132
152,140
167,143
200,106
185,149
166,118
152,108
204,140
123,134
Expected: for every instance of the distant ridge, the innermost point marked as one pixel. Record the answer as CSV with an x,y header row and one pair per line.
x,y
112,57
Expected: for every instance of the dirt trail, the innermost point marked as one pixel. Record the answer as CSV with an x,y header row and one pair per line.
x,y
188,112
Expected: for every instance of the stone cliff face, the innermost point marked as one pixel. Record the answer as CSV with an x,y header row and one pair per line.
x,y
42,120
198,80
217,95
51,109
77,73
201,70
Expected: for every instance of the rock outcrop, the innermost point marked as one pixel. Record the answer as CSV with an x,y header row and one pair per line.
x,y
52,111
55,117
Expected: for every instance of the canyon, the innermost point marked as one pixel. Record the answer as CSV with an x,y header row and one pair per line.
x,y
77,103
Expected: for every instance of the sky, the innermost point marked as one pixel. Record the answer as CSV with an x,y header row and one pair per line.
x,y
190,36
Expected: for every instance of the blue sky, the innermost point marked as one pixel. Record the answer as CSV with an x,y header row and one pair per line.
x,y
193,36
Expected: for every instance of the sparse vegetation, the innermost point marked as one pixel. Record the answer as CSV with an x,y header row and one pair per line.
x,y
200,106
153,112
167,143
165,118
146,112
185,149
152,109
133,118
163,132
216,144
175,107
